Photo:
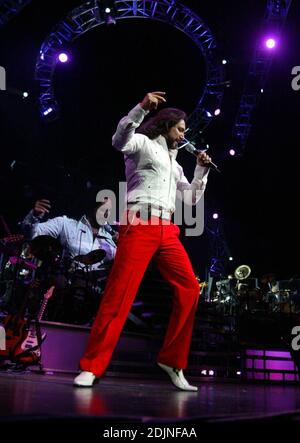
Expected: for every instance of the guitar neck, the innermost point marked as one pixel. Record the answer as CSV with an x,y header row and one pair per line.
x,y
42,310
44,304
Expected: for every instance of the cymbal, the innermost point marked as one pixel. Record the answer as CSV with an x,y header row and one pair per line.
x,y
242,272
92,257
45,247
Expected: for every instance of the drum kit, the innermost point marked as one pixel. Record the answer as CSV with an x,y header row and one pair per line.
x,y
30,267
239,293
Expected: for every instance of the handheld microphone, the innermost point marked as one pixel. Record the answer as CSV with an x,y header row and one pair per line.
x,y
192,150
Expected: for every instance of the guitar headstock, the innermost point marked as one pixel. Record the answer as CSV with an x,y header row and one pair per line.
x,y
203,284
48,294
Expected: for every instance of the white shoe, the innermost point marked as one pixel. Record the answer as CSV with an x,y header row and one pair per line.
x,y
178,378
84,379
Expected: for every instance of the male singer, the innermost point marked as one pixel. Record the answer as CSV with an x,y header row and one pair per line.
x,y
153,176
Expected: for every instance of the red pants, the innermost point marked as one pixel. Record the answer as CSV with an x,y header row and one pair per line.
x,y
137,245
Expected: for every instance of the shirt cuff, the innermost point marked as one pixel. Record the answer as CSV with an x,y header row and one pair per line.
x,y
34,218
137,114
201,173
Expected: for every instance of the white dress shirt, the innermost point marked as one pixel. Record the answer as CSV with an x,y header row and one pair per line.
x,y
152,172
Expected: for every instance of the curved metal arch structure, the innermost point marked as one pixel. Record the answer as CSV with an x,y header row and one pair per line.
x,y
10,8
90,15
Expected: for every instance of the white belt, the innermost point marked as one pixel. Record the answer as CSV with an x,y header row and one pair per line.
x,y
161,213
148,210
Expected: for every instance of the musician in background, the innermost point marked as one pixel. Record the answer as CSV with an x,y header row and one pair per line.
x,y
79,276
77,237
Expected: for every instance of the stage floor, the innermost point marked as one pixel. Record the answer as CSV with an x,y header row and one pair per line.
x,y
31,396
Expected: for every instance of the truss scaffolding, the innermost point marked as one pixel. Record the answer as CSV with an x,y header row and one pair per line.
x,y
275,17
90,15
10,8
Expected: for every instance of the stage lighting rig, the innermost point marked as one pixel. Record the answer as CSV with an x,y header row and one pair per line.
x,y
107,11
96,13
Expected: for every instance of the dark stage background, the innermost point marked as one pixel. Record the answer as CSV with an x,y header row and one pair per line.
x,y
111,69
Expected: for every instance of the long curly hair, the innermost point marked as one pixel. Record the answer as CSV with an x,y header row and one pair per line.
x,y
161,123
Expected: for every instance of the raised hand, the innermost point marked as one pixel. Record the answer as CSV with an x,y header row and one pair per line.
x,y
152,100
41,207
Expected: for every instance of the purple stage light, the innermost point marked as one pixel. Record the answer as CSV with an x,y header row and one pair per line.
x,y
63,57
217,112
270,43
232,152
215,216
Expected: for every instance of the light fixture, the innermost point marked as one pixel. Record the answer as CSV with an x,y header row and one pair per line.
x,y
270,43
63,57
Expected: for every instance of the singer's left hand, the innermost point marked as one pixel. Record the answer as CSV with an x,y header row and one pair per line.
x,y
203,159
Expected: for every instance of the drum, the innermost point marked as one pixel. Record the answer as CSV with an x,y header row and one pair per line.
x,y
225,297
250,299
285,303
77,299
295,298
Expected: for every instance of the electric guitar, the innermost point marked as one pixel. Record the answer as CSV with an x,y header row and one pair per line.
x,y
28,349
15,326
